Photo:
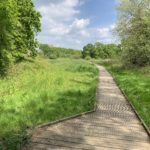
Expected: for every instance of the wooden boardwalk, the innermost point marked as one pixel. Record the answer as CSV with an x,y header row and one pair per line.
x,y
114,126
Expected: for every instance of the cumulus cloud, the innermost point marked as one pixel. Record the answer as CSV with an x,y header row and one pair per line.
x,y
63,26
80,23
104,34
60,21
60,11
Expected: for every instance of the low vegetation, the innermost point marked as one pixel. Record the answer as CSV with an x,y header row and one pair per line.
x,y
135,82
42,90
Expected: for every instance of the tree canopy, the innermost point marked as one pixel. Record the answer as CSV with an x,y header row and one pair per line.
x,y
100,50
133,28
19,23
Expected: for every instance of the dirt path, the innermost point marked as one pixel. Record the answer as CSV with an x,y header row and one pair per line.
x,y
113,126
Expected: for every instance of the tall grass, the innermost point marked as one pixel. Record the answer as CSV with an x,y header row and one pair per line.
x,y
42,91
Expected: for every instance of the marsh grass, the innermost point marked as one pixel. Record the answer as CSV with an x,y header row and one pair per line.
x,y
41,91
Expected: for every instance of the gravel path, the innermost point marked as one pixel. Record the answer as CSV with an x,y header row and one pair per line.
x,y
114,126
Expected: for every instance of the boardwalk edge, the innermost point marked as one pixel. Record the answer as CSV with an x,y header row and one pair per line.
x,y
64,119
137,114
70,117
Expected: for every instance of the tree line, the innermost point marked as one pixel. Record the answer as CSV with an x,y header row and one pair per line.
x,y
133,30
100,50
56,52
19,23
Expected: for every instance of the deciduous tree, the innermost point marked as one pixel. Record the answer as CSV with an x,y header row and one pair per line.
x,y
133,29
19,23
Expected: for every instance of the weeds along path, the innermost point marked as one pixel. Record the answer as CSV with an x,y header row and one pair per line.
x,y
113,126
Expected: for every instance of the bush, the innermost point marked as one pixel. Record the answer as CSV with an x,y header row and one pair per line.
x,y
135,54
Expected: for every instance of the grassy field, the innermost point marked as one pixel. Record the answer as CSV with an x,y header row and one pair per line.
x,y
135,83
41,91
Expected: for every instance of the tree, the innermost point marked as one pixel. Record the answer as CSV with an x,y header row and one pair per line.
x,y
89,50
133,29
8,28
29,20
100,50
19,23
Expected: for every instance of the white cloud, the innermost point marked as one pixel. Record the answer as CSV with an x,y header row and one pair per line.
x,y
103,32
63,26
60,31
80,23
85,33
59,11
106,32
60,22
113,26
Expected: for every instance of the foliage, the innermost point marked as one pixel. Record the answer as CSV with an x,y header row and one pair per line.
x,y
19,24
57,52
135,83
29,20
100,50
14,141
8,27
89,50
134,30
53,88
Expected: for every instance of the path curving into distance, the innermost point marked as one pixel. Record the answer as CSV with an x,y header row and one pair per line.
x,y
114,125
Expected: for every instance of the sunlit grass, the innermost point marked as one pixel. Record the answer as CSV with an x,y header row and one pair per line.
x,y
45,90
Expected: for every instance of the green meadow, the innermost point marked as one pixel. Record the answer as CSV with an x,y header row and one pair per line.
x,y
42,90
41,83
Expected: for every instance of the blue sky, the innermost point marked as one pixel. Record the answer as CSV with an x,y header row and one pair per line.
x,y
74,23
